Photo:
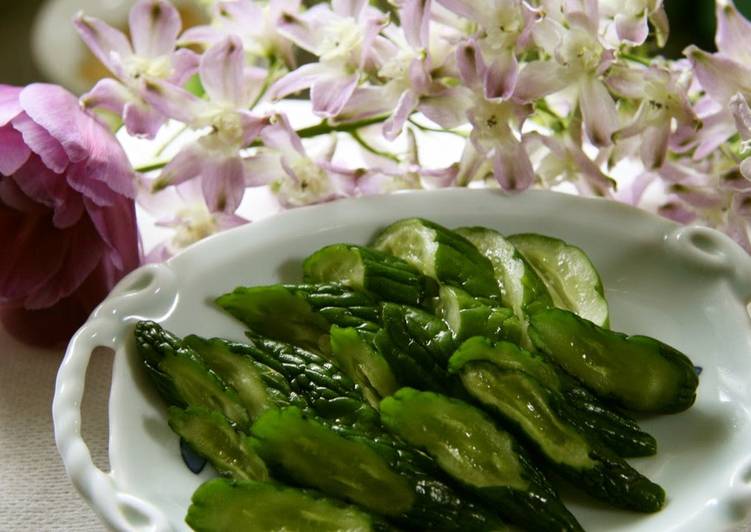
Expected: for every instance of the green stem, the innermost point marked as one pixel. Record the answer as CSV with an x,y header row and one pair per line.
x,y
151,167
422,127
324,127
635,58
273,69
170,140
362,142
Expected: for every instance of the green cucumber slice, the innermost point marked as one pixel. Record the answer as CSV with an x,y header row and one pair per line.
x,y
467,316
637,372
441,254
221,505
209,434
569,275
379,273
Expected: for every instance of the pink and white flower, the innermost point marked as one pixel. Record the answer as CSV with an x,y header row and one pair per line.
x,y
215,158
154,26
342,39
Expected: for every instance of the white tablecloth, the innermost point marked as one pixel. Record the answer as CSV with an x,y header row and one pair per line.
x,y
35,493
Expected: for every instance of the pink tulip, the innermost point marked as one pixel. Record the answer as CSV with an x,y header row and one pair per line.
x,y
67,218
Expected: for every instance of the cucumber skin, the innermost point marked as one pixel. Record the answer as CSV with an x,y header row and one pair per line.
x,y
687,384
207,512
387,277
612,480
536,508
457,261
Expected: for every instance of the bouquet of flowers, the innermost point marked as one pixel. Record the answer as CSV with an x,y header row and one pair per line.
x,y
571,95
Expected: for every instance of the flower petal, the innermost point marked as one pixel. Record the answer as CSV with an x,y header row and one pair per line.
x,y
461,7
394,125
448,109
632,28
42,143
186,164
368,101
116,227
9,105
661,25
540,78
173,101
501,75
184,64
142,120
154,25
742,115
654,144
733,33
13,150
222,71
262,169
330,95
415,17
677,211
107,94
720,76
598,111
109,45
223,184
348,8
471,64
511,165
297,80
252,125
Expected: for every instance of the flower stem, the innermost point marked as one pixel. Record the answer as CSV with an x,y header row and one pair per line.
x,y
362,142
422,127
324,127
170,140
635,58
151,167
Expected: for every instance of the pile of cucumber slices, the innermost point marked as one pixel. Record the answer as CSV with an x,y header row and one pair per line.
x,y
432,381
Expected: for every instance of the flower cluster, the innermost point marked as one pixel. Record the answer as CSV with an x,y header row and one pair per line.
x,y
564,94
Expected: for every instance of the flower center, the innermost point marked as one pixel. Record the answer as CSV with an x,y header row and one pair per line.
x,y
397,68
312,183
504,28
342,38
580,50
194,222
149,67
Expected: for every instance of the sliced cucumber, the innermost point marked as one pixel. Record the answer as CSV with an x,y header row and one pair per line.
x,y
315,456
209,435
355,354
467,316
441,254
221,505
360,268
637,372
569,275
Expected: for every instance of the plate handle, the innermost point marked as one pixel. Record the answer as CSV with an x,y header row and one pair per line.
x,y
154,288
714,252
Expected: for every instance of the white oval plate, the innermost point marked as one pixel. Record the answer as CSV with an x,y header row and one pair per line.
x,y
686,286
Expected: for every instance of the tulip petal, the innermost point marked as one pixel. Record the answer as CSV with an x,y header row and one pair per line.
x,y
24,239
329,95
13,151
598,111
142,120
109,45
224,184
9,105
154,25
116,227
42,143
540,78
107,94
632,28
